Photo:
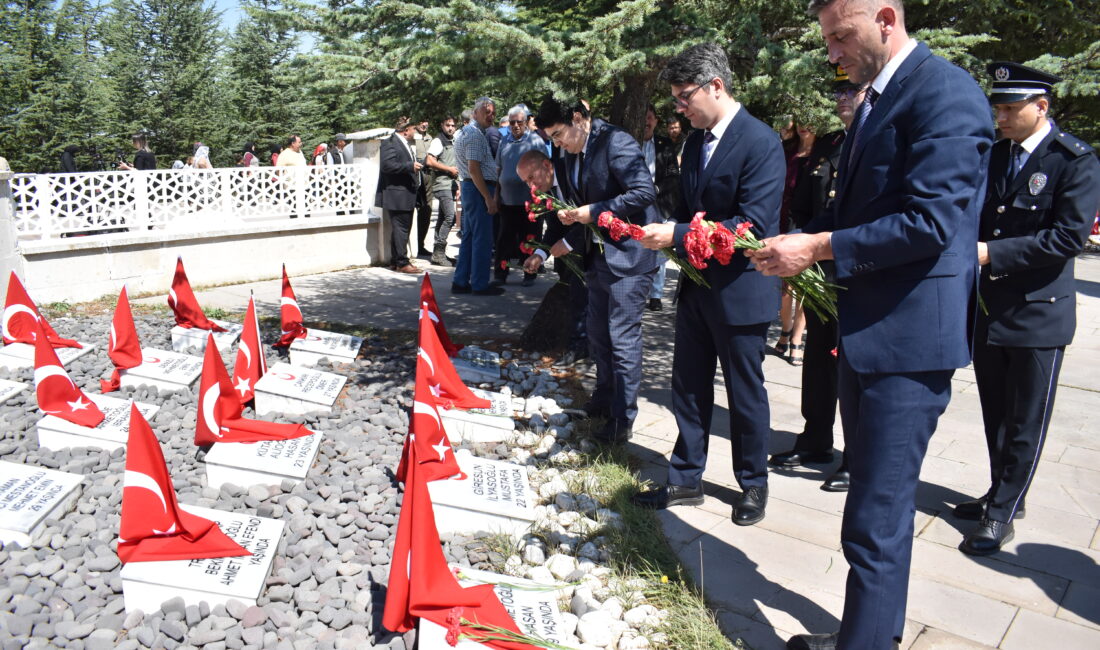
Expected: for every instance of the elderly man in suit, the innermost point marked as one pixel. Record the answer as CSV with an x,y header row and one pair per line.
x,y
1043,192
600,168
903,232
397,184
732,169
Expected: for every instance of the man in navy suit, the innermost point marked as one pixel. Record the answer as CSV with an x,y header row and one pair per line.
x,y
1044,190
398,178
732,169
903,232
600,168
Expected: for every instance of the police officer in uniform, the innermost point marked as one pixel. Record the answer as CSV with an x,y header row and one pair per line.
x,y
813,194
1043,190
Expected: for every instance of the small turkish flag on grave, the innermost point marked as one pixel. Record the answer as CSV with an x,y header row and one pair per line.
x,y
125,348
443,381
426,433
290,315
185,305
21,318
220,409
421,584
250,364
430,308
57,394
153,526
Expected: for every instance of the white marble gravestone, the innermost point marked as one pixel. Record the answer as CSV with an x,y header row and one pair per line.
x,y
145,585
31,495
184,339
319,344
293,390
495,497
481,425
9,389
16,356
112,433
268,462
476,365
168,371
532,605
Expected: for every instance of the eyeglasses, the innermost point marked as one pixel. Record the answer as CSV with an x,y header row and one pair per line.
x,y
683,98
555,136
847,93
517,121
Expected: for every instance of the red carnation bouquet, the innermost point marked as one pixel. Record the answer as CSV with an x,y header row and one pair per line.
x,y
542,203
619,229
708,239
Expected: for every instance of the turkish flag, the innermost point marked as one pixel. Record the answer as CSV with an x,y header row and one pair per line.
x,y
290,316
153,526
185,305
220,409
421,584
443,381
125,348
426,433
250,364
57,394
430,308
20,317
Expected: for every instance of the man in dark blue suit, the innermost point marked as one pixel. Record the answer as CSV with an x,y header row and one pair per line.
x,y
903,232
732,169
600,168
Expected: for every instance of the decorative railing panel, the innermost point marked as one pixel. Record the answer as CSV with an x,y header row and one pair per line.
x,y
57,205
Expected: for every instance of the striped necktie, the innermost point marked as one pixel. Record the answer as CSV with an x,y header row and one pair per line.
x,y
861,119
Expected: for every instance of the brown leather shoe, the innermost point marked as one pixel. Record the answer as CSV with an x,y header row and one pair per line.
x,y
409,268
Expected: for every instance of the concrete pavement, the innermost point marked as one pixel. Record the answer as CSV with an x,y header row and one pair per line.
x,y
786,575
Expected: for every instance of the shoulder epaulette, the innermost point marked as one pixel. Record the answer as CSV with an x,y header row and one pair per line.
x,y
1072,144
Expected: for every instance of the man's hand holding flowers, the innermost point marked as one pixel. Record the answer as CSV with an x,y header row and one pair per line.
x,y
789,255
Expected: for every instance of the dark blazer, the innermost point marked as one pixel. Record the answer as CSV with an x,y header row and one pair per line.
x,y
816,187
1033,234
743,181
616,178
905,221
666,176
397,182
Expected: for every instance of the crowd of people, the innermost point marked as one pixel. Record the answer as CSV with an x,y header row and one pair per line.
x,y
910,209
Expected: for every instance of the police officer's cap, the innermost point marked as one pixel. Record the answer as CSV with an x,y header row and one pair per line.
x,y
1013,82
841,80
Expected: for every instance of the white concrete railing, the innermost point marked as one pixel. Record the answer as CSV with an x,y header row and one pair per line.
x,y
46,206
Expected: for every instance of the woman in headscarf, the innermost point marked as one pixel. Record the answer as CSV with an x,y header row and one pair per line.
x,y
320,154
202,156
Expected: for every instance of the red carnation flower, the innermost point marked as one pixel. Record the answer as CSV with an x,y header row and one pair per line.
x,y
637,232
742,228
619,229
503,265
722,241
604,220
532,217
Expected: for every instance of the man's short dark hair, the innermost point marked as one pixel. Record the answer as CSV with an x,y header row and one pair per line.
x,y
697,65
290,139
401,124
447,117
556,111
816,6
652,109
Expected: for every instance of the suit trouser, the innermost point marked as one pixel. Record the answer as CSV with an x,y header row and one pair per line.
x,y
476,249
445,220
615,308
401,222
423,215
819,379
1016,387
888,420
704,341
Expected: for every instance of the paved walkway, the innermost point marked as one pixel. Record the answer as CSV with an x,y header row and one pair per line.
x,y
786,575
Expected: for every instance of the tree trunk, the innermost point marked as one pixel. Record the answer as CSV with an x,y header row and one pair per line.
x,y
629,103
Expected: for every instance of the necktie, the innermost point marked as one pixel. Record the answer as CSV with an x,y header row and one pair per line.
x,y
1014,162
708,147
580,175
861,119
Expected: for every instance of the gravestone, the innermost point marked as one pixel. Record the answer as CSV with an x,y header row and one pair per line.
x,y
482,425
293,390
110,434
168,371
532,605
16,356
217,580
267,462
476,365
319,344
495,497
31,495
9,389
184,339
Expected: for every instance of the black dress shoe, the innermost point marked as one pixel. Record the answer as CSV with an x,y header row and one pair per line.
x,y
974,509
458,288
796,457
812,642
572,356
838,482
669,495
615,431
596,410
655,305
751,508
987,538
